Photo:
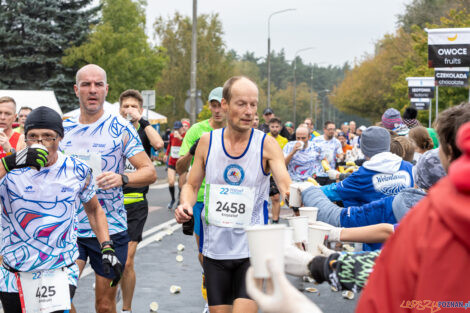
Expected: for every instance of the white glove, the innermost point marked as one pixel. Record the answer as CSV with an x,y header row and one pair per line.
x,y
285,297
304,186
333,174
296,261
334,233
325,251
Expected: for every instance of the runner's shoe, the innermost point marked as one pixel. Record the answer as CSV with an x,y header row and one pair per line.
x,y
171,204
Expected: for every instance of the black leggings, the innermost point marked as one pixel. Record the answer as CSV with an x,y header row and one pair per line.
x,y
11,301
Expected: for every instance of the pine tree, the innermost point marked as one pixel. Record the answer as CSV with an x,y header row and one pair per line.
x,y
33,37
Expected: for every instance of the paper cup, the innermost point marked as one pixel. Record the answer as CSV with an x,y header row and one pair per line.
x,y
311,212
316,236
301,144
289,236
300,225
38,145
265,242
295,197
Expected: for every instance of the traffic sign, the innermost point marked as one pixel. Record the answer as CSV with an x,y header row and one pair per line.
x,y
149,99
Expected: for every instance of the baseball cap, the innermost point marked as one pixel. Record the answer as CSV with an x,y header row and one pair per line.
x,y
216,94
289,124
177,125
268,111
342,134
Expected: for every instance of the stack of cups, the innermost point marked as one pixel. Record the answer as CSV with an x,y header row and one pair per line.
x,y
310,212
316,236
263,242
300,225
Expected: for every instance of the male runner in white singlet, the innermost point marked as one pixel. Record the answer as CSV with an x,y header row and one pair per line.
x,y
236,162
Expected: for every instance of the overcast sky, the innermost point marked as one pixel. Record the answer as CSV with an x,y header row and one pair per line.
x,y
340,30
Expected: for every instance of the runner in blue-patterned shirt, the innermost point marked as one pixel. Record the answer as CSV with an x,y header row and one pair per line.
x,y
104,141
41,191
331,149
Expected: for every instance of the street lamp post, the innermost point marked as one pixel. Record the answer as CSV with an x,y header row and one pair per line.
x,y
295,81
269,51
311,95
323,105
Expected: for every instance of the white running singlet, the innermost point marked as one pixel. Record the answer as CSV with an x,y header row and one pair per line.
x,y
113,139
245,174
39,218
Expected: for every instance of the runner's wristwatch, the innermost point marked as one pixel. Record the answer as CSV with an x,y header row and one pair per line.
x,y
125,179
106,243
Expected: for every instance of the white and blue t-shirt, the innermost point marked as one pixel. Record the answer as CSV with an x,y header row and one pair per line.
x,y
39,217
113,140
330,148
304,163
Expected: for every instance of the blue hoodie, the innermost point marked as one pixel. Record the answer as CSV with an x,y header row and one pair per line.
x,y
385,174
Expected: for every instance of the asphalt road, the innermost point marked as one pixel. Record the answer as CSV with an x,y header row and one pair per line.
x,y
157,268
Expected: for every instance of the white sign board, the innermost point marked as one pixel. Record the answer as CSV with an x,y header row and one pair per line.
x,y
149,99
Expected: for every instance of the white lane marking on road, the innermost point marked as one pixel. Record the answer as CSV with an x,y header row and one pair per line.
x,y
148,236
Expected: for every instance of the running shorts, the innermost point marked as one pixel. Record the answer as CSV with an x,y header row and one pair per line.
x,y
225,280
137,213
90,248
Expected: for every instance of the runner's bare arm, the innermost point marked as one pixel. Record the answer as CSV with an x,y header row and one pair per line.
x,y
3,171
154,137
182,165
21,143
97,219
274,158
144,175
377,233
194,180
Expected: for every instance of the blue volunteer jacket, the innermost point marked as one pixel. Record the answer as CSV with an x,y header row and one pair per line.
x,y
385,174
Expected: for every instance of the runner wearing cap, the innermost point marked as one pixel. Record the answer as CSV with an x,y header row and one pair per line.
x,y
135,199
268,114
236,162
171,156
187,152
290,129
105,140
42,191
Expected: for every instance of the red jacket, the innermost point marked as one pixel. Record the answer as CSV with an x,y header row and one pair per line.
x,y
428,257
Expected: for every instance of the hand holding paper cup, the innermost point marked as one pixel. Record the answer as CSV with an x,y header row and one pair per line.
x,y
264,243
300,225
316,236
295,197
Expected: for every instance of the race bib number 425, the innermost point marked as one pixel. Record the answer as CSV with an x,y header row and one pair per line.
x,y
229,206
44,291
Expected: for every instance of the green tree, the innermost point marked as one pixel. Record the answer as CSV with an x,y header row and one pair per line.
x,y
422,12
214,63
34,35
120,46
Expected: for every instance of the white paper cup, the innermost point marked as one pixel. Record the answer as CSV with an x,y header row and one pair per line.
x,y
301,144
300,225
316,236
289,236
295,197
311,212
265,242
38,145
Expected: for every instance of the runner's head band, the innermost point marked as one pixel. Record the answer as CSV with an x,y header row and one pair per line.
x,y
44,118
